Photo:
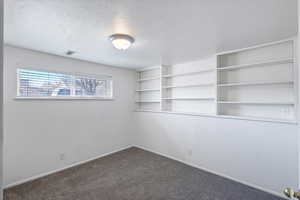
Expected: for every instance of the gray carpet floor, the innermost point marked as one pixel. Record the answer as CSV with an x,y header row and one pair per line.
x,y
134,174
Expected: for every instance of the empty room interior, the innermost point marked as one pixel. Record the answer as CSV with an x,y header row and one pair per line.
x,y
150,100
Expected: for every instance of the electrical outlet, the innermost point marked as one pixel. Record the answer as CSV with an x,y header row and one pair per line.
x,y
286,111
190,152
62,156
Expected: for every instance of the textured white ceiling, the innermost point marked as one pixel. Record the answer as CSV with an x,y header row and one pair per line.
x,y
166,31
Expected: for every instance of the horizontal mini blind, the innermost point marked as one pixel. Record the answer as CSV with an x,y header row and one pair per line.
x,y
48,84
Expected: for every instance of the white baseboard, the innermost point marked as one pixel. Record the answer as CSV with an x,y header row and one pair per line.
x,y
61,169
146,149
214,172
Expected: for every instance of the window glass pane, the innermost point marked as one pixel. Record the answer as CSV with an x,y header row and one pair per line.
x,y
41,84
92,87
48,84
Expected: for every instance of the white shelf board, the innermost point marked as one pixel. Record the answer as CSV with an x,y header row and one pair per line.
x,y
148,90
190,98
256,102
148,79
257,46
147,102
263,63
178,112
259,119
148,69
187,73
185,86
294,122
255,83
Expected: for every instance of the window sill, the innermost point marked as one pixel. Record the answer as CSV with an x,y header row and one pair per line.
x,y
65,98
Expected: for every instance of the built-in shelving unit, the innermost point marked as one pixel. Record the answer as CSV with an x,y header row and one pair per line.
x,y
189,87
148,92
256,83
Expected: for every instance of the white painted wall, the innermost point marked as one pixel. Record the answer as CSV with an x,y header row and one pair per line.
x,y
36,132
263,154
259,153
1,98
298,56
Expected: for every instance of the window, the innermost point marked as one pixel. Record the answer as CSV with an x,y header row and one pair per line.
x,y
39,84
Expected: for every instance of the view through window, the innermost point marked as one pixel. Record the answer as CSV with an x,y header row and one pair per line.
x,y
33,83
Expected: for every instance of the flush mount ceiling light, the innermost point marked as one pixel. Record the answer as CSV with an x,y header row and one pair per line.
x,y
121,41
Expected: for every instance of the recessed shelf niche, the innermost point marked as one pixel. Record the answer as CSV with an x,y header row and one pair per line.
x,y
189,87
148,89
258,82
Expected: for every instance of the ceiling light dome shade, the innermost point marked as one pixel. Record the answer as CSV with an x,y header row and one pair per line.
x,y
121,41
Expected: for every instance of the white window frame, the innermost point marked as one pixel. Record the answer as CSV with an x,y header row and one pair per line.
x,y
75,74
